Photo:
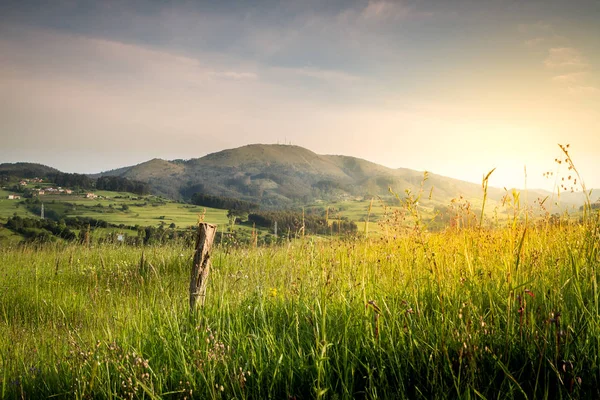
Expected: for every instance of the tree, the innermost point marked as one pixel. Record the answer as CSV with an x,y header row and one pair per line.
x,y
236,216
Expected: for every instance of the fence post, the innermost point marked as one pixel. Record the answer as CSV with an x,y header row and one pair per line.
x,y
201,264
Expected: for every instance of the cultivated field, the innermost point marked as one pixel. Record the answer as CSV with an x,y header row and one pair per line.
x,y
509,312
142,210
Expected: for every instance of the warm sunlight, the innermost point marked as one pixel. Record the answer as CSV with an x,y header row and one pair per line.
x,y
454,88
299,199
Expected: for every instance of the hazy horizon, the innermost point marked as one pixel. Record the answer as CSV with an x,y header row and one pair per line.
x,y
455,88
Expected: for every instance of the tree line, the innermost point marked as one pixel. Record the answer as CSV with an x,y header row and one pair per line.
x,y
593,206
71,180
84,182
294,222
120,184
39,230
77,229
224,203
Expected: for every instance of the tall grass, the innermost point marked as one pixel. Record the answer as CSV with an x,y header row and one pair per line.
x,y
465,313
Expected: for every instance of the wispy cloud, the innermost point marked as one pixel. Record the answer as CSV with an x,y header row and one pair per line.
x,y
534,42
578,82
183,78
165,65
569,67
535,27
570,78
64,56
328,75
565,58
380,9
584,90
234,75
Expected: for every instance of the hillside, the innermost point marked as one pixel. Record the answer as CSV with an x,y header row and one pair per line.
x,y
281,176
274,175
25,170
284,175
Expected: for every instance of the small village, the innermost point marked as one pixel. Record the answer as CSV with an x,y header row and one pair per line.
x,y
37,187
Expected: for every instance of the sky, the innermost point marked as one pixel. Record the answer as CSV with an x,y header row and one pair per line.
x,y
454,87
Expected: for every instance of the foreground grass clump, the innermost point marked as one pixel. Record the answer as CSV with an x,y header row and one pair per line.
x,y
464,313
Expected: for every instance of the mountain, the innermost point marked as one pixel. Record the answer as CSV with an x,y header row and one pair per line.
x,y
279,176
286,175
274,175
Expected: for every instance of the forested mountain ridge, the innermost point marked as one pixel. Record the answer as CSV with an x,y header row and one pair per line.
x,y
283,176
279,176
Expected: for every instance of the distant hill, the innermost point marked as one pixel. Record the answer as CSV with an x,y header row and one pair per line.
x,y
284,175
10,172
26,170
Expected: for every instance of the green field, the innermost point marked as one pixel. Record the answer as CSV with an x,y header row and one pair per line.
x,y
143,211
8,208
465,313
182,215
8,237
127,209
130,210
121,210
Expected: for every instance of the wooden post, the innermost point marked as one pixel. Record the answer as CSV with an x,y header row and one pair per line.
x,y
201,264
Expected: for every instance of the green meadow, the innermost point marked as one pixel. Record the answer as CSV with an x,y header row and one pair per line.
x,y
117,209
485,301
508,312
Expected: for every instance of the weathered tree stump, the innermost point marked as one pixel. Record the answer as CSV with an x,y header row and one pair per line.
x,y
201,264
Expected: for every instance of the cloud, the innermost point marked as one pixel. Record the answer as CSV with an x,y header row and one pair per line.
x,y
57,56
234,75
268,41
565,58
95,92
570,78
534,42
580,80
585,90
328,75
392,10
165,65
577,83
570,68
535,27
378,9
